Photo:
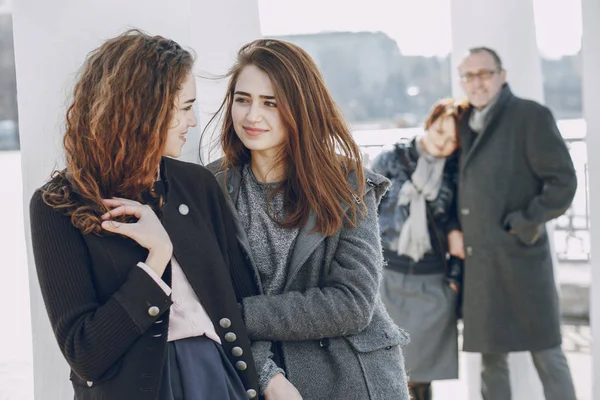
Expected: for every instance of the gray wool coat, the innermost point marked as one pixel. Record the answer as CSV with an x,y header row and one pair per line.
x,y
515,175
330,320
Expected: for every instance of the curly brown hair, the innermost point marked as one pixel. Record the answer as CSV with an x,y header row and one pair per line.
x,y
319,153
117,124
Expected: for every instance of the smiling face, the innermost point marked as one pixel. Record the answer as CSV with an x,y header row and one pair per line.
x,y
255,116
440,139
481,78
183,117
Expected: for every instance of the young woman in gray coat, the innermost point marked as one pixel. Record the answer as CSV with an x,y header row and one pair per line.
x,y
419,228
306,213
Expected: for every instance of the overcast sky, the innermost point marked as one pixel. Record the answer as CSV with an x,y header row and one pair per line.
x,y
419,27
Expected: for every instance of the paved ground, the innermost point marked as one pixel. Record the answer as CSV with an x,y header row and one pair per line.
x,y
16,375
577,340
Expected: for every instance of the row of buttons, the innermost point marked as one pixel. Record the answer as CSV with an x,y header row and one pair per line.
x,y
225,323
465,212
236,351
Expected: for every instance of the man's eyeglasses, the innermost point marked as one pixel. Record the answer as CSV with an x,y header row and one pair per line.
x,y
484,74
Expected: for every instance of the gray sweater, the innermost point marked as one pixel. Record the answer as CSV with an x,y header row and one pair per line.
x,y
264,233
274,242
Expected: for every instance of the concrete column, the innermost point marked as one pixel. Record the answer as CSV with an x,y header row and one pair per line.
x,y
51,42
591,106
508,27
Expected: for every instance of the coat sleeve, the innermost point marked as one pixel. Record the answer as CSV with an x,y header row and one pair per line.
x,y
343,304
91,336
266,367
551,162
446,203
379,164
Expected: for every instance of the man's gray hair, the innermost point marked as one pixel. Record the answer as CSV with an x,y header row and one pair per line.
x,y
491,52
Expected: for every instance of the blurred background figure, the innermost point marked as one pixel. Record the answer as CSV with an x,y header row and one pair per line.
x,y
516,174
423,246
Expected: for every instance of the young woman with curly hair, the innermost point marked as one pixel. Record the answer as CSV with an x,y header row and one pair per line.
x,y
135,251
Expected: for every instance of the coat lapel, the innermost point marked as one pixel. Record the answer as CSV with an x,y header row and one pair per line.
x,y
308,239
197,252
470,145
306,242
466,134
230,182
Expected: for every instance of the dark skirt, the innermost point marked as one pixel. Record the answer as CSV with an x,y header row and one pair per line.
x,y
198,369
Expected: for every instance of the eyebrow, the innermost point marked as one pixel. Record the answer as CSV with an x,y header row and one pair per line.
x,y
262,96
190,101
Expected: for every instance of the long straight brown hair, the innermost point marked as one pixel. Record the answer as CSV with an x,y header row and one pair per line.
x,y
117,125
319,153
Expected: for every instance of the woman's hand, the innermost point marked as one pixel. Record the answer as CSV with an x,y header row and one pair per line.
x,y
456,244
279,388
147,231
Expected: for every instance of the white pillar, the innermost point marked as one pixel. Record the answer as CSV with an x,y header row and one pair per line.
x,y
591,106
508,27
52,39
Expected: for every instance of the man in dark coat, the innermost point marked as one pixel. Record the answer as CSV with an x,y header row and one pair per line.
x,y
516,174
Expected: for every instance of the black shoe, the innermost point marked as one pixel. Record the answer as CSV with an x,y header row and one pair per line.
x,y
422,391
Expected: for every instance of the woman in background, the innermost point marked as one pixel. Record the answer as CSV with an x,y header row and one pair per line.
x,y
419,228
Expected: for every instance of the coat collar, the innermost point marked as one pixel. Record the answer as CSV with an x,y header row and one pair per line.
x,y
230,181
160,187
308,239
470,141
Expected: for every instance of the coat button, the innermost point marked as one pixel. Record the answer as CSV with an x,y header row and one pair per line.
x,y
241,366
225,323
465,211
90,383
469,251
184,209
230,189
230,337
251,393
153,311
324,343
237,351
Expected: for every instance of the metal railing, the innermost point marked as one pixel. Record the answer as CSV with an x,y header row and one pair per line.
x,y
572,230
